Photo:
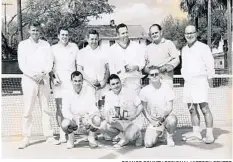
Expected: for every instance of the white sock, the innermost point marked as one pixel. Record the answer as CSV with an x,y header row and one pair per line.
x,y
196,129
209,132
169,134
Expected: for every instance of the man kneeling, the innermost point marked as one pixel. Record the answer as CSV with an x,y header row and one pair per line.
x,y
79,110
122,110
157,100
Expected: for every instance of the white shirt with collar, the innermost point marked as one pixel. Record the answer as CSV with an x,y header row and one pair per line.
x,y
126,100
163,53
157,99
93,62
34,58
132,55
197,61
78,104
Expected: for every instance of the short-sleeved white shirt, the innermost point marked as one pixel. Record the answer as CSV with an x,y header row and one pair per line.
x,y
93,62
64,57
82,103
157,98
126,100
132,55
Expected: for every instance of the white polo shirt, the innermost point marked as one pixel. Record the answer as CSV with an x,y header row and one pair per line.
x,y
78,104
163,53
64,57
132,55
126,100
157,99
34,58
93,62
197,61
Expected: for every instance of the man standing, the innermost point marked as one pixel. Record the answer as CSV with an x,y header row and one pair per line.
x,y
92,62
35,61
122,110
162,53
157,100
64,53
126,59
197,70
79,106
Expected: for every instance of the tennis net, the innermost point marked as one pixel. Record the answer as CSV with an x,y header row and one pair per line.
x,y
12,104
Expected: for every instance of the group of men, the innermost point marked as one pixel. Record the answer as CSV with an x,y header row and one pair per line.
x,y
100,88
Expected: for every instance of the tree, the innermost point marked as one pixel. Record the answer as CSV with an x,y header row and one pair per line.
x,y
173,29
53,14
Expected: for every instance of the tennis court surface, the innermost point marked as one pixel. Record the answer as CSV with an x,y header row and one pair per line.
x,y
220,102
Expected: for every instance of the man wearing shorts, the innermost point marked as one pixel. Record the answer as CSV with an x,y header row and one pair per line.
x,y
157,100
64,53
162,53
78,106
122,109
35,61
197,70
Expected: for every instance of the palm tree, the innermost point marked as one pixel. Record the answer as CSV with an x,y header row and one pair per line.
x,y
19,20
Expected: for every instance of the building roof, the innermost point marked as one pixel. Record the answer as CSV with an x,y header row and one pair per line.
x,y
109,32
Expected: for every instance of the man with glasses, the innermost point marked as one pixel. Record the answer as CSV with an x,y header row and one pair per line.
x,y
162,53
122,110
157,100
197,70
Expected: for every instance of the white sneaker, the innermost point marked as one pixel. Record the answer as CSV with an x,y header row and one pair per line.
x,y
170,141
192,136
208,140
24,143
62,136
139,140
53,141
92,141
70,142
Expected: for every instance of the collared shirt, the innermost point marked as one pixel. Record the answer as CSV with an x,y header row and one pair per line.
x,y
197,61
132,55
64,57
126,100
163,53
34,58
78,104
93,62
157,99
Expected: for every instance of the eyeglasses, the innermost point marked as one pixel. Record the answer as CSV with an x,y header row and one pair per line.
x,y
190,33
154,74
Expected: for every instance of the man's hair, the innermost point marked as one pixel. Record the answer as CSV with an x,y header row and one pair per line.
x,y
154,68
92,31
113,76
120,26
62,28
76,73
35,24
157,25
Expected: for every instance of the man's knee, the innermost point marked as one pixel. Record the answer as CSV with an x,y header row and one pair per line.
x,y
204,108
192,109
131,133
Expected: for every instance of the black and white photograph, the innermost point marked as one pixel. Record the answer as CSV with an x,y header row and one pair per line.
x,y
116,79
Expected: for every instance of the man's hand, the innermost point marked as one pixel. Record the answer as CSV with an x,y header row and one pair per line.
x,y
130,68
163,69
211,82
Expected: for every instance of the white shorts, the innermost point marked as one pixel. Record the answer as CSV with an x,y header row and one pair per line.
x,y
196,90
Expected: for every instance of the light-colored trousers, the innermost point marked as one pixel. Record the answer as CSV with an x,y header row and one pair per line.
x,y
31,90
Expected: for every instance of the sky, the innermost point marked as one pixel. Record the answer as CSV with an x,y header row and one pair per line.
x,y
131,12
